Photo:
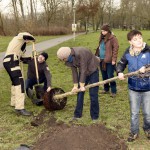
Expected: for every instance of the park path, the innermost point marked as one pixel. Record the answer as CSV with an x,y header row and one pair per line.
x,y
42,46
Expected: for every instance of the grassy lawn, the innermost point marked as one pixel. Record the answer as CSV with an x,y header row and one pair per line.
x,y
4,40
114,113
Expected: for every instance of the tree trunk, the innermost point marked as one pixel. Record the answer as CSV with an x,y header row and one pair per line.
x,y
22,10
14,3
35,9
31,7
2,25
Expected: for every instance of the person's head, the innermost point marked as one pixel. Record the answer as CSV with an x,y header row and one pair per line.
x,y
105,29
135,38
42,57
63,53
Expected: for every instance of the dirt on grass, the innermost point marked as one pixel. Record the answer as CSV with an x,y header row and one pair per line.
x,y
60,136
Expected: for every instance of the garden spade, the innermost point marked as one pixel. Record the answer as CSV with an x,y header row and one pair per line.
x,y
37,101
35,61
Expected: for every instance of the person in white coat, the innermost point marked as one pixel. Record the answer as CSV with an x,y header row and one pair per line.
x,y
11,62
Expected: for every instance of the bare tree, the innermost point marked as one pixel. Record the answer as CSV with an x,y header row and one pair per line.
x,y
100,14
31,7
35,2
141,13
94,13
87,10
14,4
22,9
135,13
50,7
2,25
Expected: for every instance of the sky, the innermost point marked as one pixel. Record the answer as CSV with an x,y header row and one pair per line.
x,y
5,8
5,5
116,2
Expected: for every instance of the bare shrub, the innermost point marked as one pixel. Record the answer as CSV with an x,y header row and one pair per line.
x,y
50,31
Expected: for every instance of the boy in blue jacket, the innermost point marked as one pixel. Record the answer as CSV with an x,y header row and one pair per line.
x,y
137,57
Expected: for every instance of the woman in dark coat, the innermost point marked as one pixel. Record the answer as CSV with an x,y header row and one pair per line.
x,y
107,51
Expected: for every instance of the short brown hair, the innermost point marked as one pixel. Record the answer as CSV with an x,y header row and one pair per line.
x,y
132,33
106,27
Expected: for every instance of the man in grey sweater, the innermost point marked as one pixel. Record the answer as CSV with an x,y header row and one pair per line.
x,y
84,66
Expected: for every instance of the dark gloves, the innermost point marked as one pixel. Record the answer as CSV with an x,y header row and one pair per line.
x,y
29,38
25,60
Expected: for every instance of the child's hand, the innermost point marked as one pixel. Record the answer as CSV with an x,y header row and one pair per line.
x,y
142,69
113,62
121,76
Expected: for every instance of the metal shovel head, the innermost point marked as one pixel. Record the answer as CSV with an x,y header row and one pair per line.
x,y
39,89
38,102
50,103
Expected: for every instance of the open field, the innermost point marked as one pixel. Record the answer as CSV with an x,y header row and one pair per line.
x,y
114,113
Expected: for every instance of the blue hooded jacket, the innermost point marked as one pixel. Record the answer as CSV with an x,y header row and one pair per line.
x,y
134,63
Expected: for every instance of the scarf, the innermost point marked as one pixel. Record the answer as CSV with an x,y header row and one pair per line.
x,y
136,53
70,59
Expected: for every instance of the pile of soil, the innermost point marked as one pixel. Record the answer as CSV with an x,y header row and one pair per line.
x,y
60,136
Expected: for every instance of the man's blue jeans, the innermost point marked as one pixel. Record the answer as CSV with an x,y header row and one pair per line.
x,y
138,99
31,82
93,92
107,74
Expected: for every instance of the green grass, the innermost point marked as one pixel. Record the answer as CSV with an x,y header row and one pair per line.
x,y
114,113
4,40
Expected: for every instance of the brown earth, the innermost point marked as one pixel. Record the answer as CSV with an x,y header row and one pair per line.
x,y
60,136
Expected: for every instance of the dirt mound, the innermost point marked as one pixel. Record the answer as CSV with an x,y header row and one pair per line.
x,y
75,137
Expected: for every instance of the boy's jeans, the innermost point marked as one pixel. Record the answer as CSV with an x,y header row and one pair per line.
x,y
93,92
138,99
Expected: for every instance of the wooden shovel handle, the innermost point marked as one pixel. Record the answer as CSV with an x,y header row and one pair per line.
x,y
35,62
